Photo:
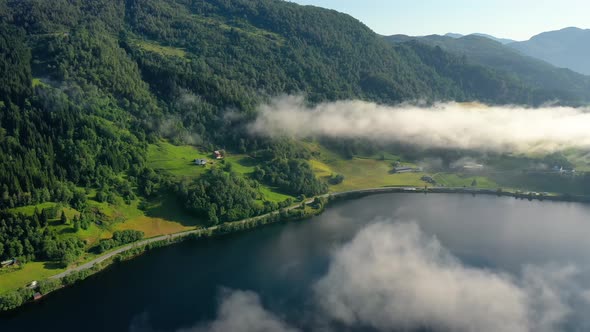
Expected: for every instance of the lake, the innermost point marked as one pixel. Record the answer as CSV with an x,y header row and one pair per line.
x,y
386,262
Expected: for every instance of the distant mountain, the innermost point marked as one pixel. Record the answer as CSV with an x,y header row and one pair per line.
x,y
454,35
562,83
566,48
504,41
499,40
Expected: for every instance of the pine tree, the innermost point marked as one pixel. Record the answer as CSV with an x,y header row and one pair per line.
x,y
63,219
76,222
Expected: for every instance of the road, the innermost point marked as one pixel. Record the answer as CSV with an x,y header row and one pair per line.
x,y
212,228
121,250
141,243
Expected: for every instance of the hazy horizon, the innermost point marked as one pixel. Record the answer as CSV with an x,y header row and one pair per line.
x,y
502,18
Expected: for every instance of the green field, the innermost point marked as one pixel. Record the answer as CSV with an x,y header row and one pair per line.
x,y
29,272
37,82
29,210
178,161
165,215
361,171
151,46
464,180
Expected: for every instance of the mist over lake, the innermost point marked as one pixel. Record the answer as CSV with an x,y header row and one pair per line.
x,y
385,262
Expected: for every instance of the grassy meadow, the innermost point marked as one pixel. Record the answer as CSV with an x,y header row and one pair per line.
x,y
165,215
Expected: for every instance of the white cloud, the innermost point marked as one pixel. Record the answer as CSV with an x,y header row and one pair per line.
x,y
242,311
462,126
393,276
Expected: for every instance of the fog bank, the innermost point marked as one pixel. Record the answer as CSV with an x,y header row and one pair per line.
x,y
447,125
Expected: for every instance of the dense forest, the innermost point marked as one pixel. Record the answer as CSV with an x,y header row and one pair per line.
x,y
544,79
86,85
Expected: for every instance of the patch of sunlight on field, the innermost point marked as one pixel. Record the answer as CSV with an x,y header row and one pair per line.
x,y
31,271
321,169
370,173
242,28
163,215
273,195
93,234
152,226
30,209
177,160
580,159
361,172
241,163
151,46
37,82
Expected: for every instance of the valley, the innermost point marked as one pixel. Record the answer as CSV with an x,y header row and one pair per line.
x,y
129,125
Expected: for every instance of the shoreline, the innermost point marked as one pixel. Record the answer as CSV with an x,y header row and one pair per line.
x,y
132,250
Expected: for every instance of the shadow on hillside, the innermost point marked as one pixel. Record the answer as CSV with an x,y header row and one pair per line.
x,y
69,230
168,207
52,265
247,162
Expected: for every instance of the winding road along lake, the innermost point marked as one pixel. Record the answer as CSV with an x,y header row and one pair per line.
x,y
385,262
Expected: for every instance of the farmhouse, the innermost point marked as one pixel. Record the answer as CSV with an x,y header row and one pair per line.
x,y
8,262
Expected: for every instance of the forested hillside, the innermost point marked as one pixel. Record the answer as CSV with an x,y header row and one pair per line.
x,y
87,85
544,79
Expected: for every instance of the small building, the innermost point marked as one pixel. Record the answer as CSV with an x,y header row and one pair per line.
x,y
8,262
201,162
37,296
473,167
428,179
405,169
33,284
218,154
561,170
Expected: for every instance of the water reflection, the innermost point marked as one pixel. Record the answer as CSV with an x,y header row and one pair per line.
x,y
531,260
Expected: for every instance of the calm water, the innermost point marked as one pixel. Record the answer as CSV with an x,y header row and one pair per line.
x,y
183,286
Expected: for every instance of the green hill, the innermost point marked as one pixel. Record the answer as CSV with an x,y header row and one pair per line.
x,y
93,91
545,79
565,48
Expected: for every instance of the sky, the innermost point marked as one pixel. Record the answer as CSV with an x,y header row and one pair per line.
x,y
512,19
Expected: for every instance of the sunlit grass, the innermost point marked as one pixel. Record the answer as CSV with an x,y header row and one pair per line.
x,y
151,46
177,160
30,271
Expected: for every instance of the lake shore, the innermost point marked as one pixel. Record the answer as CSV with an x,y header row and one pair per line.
x,y
311,207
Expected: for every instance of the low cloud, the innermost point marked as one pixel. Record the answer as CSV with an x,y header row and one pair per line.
x,y
243,311
392,276
448,125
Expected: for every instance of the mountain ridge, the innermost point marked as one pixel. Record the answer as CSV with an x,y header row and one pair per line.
x,y
486,52
565,48
504,41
